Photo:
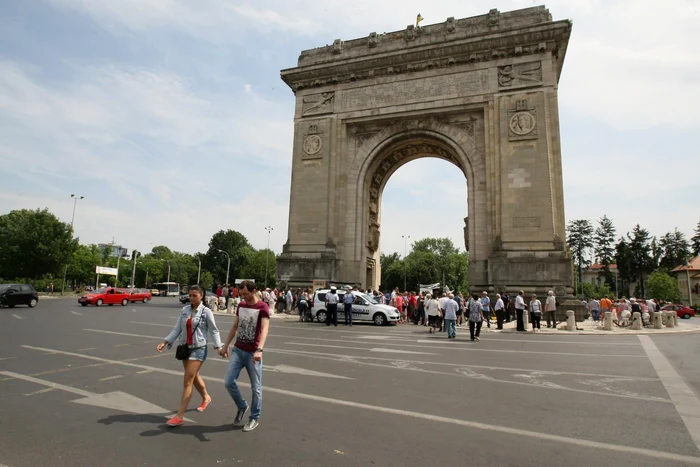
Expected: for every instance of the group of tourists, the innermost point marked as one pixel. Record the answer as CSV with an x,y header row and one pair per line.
x,y
194,327
621,310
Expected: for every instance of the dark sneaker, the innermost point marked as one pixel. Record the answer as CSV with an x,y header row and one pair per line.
x,y
251,425
240,414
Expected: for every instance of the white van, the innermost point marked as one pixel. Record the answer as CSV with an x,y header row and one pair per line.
x,y
364,308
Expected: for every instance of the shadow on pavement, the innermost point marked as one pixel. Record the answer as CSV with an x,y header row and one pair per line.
x,y
198,431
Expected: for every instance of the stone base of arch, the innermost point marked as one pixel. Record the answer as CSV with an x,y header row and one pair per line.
x,y
480,93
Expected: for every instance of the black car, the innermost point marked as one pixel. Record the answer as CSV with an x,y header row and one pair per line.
x,y
18,294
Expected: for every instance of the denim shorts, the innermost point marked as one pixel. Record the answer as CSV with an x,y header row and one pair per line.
x,y
199,353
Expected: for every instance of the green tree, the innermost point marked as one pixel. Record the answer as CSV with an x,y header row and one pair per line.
x,y
206,280
641,253
81,268
255,267
661,286
34,243
675,249
604,249
695,241
580,240
236,245
385,262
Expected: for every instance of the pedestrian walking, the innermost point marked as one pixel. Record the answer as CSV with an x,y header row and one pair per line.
x,y
550,309
594,306
194,324
476,317
348,300
486,307
460,311
332,307
499,307
451,308
535,313
250,328
519,311
432,308
506,307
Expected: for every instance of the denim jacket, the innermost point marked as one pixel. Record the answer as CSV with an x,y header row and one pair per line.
x,y
199,337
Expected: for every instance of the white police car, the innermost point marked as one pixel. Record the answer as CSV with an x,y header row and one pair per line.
x,y
364,308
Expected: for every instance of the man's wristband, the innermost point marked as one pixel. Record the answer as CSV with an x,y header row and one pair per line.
x,y
259,350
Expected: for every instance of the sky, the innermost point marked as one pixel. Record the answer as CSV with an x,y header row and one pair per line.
x,y
169,116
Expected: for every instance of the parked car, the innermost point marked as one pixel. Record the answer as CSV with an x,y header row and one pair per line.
x,y
18,294
139,295
682,311
364,308
107,296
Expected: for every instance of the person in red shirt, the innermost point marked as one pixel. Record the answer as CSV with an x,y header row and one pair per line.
x,y
399,306
250,328
412,307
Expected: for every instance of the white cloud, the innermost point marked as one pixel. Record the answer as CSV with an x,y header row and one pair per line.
x,y
248,88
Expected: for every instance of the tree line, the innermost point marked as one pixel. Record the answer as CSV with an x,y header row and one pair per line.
x,y
643,261
36,247
431,260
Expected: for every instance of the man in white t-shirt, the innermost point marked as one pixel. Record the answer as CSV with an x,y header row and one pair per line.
x,y
550,309
441,303
520,310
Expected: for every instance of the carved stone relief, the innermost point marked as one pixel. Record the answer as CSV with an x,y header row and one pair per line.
x,y
317,104
521,74
360,138
312,144
522,122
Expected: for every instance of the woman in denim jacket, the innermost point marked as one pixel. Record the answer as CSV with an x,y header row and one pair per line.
x,y
192,327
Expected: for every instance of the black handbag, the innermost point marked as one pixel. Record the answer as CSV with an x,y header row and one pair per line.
x,y
182,351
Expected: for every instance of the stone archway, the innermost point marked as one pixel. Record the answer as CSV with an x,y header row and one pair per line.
x,y
479,92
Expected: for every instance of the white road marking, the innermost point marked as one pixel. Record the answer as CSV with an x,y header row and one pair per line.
x,y
122,333
143,372
687,403
604,446
359,348
40,391
89,348
152,324
115,400
109,378
465,370
18,316
76,313
7,358
315,354
294,370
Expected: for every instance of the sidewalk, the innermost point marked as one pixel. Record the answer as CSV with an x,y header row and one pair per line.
x,y
591,328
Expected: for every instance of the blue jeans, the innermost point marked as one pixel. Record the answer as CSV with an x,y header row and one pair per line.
x,y
241,359
451,327
596,315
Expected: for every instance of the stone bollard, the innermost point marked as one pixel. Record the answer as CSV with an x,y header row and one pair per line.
x,y
607,321
231,308
212,304
526,319
671,322
675,318
570,320
658,322
664,318
636,321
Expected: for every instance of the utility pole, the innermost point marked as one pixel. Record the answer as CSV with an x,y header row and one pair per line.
x,y
65,271
199,271
134,255
267,252
228,267
405,239
690,292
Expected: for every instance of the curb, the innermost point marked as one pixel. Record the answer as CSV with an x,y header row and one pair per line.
x,y
596,332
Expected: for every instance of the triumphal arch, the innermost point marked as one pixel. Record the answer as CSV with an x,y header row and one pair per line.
x,y
478,92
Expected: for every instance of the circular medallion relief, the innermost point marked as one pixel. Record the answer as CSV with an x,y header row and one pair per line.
x,y
522,123
312,144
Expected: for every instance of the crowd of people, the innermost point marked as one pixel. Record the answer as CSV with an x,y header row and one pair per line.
x,y
621,310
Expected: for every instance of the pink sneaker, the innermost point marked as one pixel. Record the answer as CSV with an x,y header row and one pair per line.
x,y
175,421
203,406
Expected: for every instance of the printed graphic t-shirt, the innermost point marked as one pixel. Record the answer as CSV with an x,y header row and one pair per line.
x,y
249,325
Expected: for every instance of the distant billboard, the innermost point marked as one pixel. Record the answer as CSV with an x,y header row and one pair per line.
x,y
106,271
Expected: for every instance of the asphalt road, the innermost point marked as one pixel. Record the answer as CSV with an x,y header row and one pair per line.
x,y
85,387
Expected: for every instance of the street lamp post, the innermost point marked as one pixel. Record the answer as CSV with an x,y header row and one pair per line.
x,y
267,252
228,266
405,239
65,271
199,271
687,275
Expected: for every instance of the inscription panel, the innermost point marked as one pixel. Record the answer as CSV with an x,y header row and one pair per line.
x,y
307,228
526,222
416,90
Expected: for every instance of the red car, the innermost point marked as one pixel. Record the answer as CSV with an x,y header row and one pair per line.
x,y
107,296
682,311
139,295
